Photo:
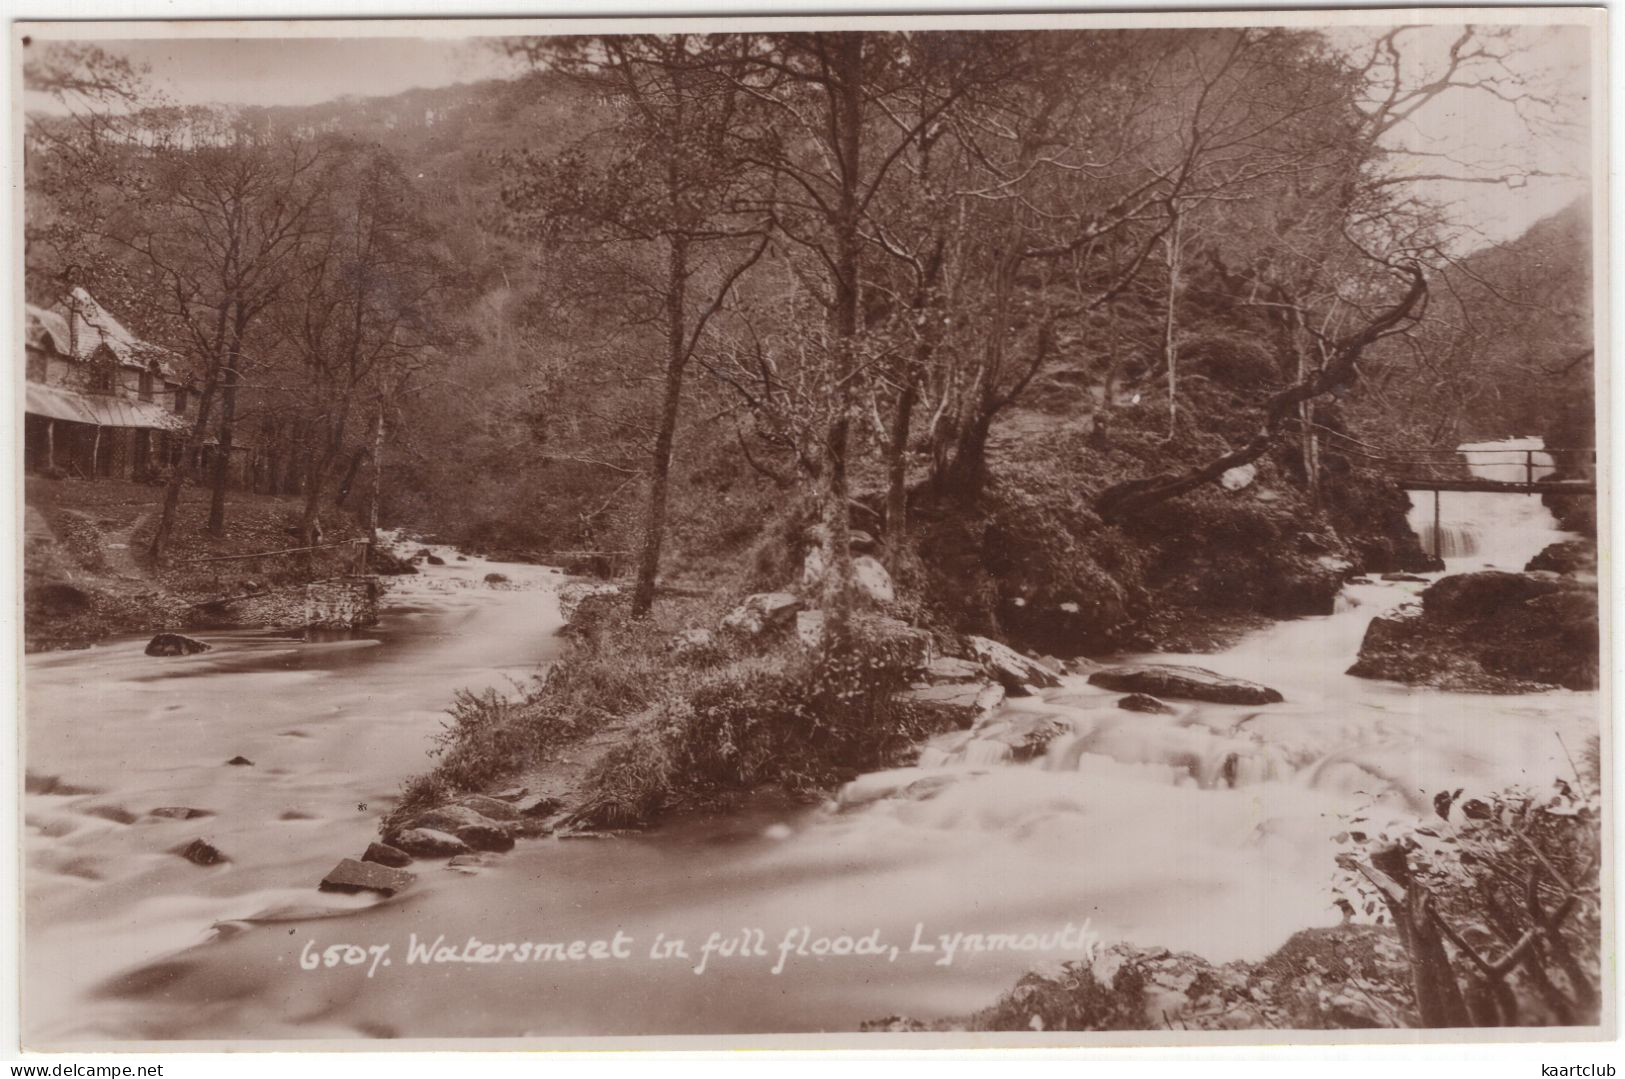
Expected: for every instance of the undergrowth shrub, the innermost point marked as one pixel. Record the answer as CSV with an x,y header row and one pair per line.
x,y
801,720
486,737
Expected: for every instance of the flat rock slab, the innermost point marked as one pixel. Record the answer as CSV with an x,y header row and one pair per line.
x,y
489,837
180,812
450,818
384,854
351,876
1013,670
961,703
428,843
1144,702
947,669
1028,736
490,808
1186,683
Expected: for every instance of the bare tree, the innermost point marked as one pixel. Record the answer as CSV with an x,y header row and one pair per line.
x,y
361,313
669,184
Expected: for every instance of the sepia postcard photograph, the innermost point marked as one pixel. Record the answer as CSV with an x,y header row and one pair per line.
x,y
862,532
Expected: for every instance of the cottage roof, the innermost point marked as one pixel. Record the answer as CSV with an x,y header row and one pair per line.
x,y
58,403
42,328
79,325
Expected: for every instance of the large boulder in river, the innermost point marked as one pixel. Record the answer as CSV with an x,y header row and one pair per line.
x,y
954,704
1014,671
175,644
489,837
1028,736
351,876
1185,683
491,808
1490,593
384,854
1569,556
1144,702
201,852
1309,587
390,564
1490,632
427,843
450,818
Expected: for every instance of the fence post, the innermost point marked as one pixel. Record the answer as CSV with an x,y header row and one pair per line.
x,y
1529,467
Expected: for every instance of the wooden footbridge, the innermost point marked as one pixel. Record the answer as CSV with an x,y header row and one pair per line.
x,y
1494,470
1503,470
1525,472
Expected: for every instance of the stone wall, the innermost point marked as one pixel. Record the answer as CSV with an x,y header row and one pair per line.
x,y
342,603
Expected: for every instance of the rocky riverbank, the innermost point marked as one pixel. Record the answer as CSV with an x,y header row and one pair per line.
x,y
1494,631
1343,978
640,720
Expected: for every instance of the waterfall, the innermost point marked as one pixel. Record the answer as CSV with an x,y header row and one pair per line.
x,y
1479,529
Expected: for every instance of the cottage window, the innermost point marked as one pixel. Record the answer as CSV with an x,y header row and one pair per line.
x,y
103,370
180,400
145,389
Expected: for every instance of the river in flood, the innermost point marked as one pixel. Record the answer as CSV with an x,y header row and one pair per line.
x,y
1210,830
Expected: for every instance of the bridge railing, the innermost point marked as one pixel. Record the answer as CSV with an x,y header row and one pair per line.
x,y
1512,464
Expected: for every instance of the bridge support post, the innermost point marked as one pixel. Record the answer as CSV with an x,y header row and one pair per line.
x,y
1438,536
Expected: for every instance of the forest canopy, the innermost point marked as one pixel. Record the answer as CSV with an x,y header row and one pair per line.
x,y
836,271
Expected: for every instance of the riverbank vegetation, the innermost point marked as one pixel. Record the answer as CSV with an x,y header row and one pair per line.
x,y
1487,915
85,579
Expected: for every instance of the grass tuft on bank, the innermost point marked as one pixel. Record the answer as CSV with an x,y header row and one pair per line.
x,y
685,726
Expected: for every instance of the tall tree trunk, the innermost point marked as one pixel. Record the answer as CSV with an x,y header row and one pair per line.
x,y
654,521
377,477
897,467
1306,417
927,303
228,427
357,459
837,509
183,468
313,498
316,461
1170,328
968,471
